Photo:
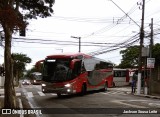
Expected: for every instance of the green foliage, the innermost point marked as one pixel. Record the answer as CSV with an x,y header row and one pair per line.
x,y
34,8
30,71
129,57
156,53
15,13
20,61
131,54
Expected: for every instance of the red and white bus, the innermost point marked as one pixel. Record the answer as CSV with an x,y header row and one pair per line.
x,y
121,77
75,73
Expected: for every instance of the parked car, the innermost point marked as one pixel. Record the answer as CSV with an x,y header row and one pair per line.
x,y
26,82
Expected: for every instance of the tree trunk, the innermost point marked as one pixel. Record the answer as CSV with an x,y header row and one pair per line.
x,y
10,98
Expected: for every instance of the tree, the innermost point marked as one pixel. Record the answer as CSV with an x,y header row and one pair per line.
x,y
129,57
13,19
33,69
156,54
20,61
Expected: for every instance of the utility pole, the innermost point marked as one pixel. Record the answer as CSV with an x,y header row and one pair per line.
x,y
140,50
79,42
150,54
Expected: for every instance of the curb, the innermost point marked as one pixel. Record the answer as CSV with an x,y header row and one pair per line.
x,y
148,96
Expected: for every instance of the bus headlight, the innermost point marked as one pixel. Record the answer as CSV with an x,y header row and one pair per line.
x,y
68,90
43,85
67,85
34,81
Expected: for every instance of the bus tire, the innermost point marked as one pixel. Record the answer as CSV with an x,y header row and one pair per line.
x,y
114,84
83,90
105,87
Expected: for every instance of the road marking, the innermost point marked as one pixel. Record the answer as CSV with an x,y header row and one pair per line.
x,y
18,94
21,106
30,94
53,94
138,100
41,93
154,104
115,92
127,104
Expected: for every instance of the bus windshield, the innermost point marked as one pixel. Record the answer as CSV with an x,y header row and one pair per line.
x,y
56,70
39,77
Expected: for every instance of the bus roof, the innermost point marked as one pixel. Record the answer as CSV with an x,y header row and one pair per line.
x,y
70,55
119,69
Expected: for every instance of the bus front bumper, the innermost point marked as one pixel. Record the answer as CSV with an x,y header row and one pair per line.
x,y
64,90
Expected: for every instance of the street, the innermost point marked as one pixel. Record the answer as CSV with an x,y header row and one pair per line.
x,y
115,99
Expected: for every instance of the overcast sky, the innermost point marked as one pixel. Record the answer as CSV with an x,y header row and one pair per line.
x,y
98,21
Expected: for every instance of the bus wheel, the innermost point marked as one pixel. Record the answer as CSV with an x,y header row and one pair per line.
x,y
114,84
105,86
59,95
83,90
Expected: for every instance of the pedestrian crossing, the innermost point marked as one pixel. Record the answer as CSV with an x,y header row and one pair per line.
x,y
39,93
115,93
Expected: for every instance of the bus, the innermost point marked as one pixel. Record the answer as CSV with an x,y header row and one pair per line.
x,y
75,73
35,78
121,77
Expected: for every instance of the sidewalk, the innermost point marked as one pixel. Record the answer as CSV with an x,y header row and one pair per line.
x,y
153,96
128,91
21,101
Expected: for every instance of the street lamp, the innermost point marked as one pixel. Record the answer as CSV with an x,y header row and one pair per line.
x,y
79,42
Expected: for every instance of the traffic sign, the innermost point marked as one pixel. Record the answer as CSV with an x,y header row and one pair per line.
x,y
150,62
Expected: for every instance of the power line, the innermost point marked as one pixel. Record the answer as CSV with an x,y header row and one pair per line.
x,y
118,21
71,42
127,42
51,42
125,13
109,50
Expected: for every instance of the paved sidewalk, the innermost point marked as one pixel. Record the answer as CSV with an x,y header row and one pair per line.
x,y
154,96
128,91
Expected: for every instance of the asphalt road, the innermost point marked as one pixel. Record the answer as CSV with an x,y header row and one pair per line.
x,y
94,104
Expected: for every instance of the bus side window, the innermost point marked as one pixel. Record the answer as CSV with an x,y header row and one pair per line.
x,y
90,74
